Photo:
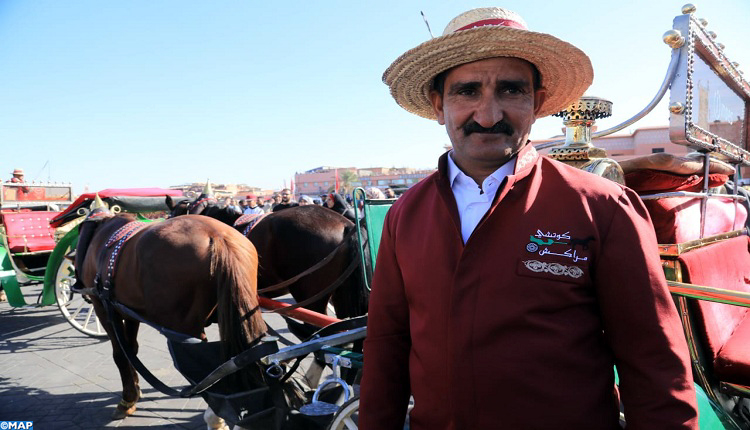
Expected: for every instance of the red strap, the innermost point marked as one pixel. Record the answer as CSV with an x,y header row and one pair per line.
x,y
503,22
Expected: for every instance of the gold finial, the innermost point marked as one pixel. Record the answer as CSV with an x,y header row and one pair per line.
x,y
712,34
673,38
676,108
736,64
207,189
721,46
703,22
688,9
98,203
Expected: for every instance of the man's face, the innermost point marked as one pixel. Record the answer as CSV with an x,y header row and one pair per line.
x,y
285,197
389,193
277,198
252,203
488,107
260,201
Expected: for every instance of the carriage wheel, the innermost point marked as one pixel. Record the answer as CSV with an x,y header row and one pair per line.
x,y
77,309
347,416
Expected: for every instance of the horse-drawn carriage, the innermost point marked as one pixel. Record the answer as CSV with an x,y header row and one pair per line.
x,y
704,247
38,229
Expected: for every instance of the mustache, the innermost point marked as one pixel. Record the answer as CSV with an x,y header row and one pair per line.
x,y
499,127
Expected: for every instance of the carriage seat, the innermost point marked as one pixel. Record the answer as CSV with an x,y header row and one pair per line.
x,y
724,329
29,231
678,219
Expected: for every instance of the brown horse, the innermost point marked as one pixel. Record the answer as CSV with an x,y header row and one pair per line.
x,y
291,241
173,274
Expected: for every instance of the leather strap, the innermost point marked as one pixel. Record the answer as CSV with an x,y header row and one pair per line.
x,y
315,267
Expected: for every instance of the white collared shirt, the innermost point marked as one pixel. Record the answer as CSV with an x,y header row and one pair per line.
x,y
473,202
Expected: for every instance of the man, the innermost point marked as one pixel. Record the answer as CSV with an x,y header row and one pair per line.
x,y
18,178
242,205
389,193
252,206
286,201
508,285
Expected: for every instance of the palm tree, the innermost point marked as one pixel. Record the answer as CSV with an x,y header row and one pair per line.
x,y
346,177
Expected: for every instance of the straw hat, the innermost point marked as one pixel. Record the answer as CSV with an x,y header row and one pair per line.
x,y
17,172
486,33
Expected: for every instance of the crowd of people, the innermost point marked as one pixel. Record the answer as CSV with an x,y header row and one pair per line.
x,y
284,199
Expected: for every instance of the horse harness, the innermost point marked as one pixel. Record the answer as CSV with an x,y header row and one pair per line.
x,y
103,289
249,221
111,254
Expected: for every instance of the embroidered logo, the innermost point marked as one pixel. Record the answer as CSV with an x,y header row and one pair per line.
x,y
527,158
541,242
556,269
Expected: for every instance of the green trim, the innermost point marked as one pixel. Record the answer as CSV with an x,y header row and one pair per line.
x,y
9,281
70,240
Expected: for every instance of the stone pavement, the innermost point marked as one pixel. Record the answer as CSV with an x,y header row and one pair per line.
x,y
59,378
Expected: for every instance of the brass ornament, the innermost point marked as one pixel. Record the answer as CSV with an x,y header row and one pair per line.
x,y
688,9
673,38
677,108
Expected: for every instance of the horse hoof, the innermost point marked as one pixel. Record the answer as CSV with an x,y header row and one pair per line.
x,y
123,411
213,422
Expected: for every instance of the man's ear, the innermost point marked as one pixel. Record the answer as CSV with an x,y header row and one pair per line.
x,y
540,95
437,106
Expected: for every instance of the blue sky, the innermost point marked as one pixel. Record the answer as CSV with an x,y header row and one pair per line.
x,y
116,94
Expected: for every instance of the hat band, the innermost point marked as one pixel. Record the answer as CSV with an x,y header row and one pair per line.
x,y
503,22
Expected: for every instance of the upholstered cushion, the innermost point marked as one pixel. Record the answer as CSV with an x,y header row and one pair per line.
x,y
678,219
733,362
29,231
724,329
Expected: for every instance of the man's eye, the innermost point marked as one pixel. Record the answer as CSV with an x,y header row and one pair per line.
x,y
512,90
466,92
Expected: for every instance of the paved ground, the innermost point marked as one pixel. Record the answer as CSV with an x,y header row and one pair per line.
x,y
61,379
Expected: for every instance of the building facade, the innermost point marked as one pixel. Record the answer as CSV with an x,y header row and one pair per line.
x,y
324,179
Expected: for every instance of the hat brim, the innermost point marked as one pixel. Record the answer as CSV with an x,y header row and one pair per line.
x,y
566,71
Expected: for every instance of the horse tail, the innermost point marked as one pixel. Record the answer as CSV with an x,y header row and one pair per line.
x,y
234,266
354,296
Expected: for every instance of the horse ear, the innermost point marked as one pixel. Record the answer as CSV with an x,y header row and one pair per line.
x,y
170,203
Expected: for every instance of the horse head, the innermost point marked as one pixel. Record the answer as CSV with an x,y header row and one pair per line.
x,y
177,207
97,212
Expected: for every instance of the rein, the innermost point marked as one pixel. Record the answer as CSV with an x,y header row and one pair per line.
x,y
312,269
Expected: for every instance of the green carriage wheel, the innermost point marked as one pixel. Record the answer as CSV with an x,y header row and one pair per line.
x,y
77,309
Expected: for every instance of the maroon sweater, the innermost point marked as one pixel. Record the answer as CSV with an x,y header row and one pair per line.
x,y
520,328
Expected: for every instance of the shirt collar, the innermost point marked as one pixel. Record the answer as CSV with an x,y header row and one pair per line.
x,y
454,171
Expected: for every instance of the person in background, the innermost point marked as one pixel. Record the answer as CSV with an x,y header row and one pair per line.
x,y
276,200
231,204
242,205
252,206
286,201
305,200
508,285
336,203
389,193
17,177
263,204
374,193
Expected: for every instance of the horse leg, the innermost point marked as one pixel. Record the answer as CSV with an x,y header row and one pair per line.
x,y
131,391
